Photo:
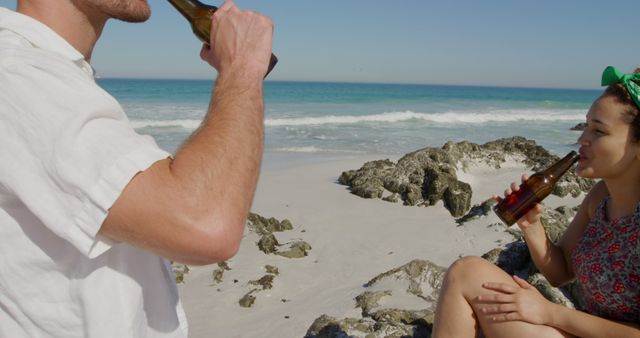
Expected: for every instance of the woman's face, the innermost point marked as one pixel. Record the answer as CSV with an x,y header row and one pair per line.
x,y
607,148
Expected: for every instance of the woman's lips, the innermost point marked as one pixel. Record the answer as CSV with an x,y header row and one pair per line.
x,y
583,157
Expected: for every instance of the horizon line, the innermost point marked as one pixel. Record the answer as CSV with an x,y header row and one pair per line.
x,y
355,82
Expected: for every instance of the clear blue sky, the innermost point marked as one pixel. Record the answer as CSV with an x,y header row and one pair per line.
x,y
543,43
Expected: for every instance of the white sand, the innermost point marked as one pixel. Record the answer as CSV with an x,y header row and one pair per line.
x,y
353,240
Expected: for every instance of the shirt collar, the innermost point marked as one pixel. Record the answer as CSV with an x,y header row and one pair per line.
x,y
38,34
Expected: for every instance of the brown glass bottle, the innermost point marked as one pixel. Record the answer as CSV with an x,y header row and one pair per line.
x,y
533,190
199,16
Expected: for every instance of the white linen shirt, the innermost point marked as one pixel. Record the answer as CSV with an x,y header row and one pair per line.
x,y
67,150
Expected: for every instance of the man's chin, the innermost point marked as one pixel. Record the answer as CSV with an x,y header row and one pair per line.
x,y
134,11
134,17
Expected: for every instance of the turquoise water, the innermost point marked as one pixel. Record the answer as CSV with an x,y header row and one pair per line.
x,y
364,118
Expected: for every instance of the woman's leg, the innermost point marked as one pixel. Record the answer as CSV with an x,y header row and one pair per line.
x,y
457,313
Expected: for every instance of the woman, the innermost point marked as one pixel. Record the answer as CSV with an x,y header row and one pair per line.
x,y
599,248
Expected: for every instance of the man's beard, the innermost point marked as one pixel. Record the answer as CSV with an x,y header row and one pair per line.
x,y
124,10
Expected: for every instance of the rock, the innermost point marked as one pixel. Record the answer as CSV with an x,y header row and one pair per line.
x,y
368,300
415,317
477,211
393,198
217,275
247,300
272,269
263,226
424,277
457,198
266,282
555,222
179,271
426,176
571,184
579,127
268,243
556,295
330,327
224,266
298,249
512,259
420,279
263,283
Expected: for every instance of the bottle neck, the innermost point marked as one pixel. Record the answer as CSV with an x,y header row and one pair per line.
x,y
191,8
559,168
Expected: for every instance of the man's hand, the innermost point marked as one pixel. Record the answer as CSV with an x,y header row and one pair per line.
x,y
193,208
240,41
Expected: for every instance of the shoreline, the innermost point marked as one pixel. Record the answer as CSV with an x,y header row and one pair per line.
x,y
352,239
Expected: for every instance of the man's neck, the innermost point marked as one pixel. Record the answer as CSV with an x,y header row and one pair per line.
x,y
81,27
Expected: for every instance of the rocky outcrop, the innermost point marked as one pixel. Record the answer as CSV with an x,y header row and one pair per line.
x,y
423,278
330,327
429,175
579,127
417,282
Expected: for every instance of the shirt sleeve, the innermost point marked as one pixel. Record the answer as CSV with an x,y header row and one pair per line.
x,y
68,148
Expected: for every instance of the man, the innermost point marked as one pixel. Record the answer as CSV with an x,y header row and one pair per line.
x,y
87,206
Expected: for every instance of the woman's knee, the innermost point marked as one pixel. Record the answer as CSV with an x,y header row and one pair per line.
x,y
467,264
469,269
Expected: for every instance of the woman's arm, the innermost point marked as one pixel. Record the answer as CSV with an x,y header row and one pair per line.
x,y
572,235
547,257
554,260
585,325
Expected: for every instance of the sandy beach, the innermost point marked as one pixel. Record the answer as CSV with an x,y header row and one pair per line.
x,y
352,239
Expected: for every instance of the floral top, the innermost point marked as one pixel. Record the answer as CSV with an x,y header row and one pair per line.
x,y
606,262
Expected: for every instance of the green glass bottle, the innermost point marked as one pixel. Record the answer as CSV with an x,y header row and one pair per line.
x,y
199,16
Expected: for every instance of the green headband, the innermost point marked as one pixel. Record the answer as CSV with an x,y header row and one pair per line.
x,y
630,81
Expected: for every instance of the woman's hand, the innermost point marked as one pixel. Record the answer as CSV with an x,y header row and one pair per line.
x,y
523,303
532,217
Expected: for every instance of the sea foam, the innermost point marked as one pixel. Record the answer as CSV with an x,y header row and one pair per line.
x,y
445,117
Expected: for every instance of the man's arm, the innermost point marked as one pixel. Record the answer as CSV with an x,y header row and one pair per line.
x,y
193,208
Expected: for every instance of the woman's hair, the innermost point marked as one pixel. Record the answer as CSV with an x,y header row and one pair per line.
x,y
632,111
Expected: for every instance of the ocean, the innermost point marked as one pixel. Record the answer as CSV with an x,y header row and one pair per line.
x,y
357,118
